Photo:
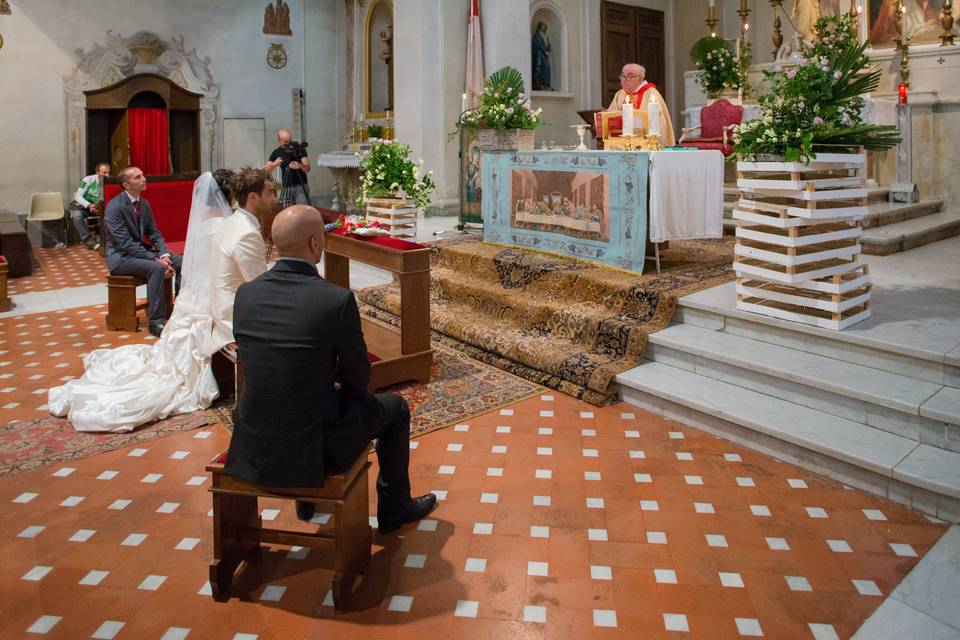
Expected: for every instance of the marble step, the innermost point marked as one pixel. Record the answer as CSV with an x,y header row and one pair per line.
x,y
925,477
850,346
910,234
889,401
885,213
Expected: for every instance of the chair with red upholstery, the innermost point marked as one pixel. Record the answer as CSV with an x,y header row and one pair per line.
x,y
716,128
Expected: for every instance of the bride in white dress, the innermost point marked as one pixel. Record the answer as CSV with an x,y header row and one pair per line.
x,y
128,386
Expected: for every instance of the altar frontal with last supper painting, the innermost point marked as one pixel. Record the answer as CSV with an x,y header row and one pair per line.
x,y
584,205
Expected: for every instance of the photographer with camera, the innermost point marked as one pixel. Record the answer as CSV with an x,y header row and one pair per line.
x,y
294,165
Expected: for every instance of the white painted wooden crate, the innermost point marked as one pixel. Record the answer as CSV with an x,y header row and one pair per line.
x,y
798,240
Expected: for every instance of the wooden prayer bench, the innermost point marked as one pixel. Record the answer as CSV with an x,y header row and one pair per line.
x,y
227,372
238,529
15,246
4,298
122,304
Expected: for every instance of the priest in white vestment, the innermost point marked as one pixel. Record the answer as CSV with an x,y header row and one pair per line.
x,y
633,83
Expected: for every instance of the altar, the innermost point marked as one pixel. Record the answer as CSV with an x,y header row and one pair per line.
x,y
601,206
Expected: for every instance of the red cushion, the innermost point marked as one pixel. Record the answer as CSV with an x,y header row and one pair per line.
x,y
170,202
705,145
221,458
372,357
717,116
394,243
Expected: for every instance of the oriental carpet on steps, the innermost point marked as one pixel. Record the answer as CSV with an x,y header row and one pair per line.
x,y
460,388
562,323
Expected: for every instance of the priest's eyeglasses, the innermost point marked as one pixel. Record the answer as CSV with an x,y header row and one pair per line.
x,y
628,76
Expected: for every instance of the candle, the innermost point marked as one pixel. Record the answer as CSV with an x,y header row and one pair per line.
x,y
463,103
713,3
627,115
653,116
902,93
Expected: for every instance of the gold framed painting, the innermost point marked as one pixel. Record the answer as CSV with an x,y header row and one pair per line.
x,y
921,21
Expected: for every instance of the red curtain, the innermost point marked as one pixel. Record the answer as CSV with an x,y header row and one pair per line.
x,y
148,140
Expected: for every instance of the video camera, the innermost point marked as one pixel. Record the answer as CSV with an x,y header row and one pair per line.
x,y
293,152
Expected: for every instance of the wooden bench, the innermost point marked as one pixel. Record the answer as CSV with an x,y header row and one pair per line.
x,y
4,298
228,373
15,246
122,304
238,529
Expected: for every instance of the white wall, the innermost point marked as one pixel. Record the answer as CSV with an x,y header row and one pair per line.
x,y
42,36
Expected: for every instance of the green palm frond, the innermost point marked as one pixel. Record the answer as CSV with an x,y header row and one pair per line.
x,y
508,77
873,137
698,53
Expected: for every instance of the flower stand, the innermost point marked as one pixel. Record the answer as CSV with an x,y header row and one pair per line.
x,y
798,240
399,214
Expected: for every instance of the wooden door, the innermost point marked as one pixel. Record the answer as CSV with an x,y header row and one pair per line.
x,y
119,142
630,34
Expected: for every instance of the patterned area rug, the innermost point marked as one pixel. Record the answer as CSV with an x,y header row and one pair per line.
x,y
35,444
565,324
460,388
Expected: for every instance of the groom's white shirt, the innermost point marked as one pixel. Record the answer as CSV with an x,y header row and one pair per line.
x,y
237,255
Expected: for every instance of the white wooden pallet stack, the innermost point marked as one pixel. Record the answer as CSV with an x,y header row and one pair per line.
x,y
798,240
399,215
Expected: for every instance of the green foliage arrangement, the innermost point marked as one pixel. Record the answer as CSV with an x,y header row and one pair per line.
x,y
817,105
709,44
718,71
503,104
374,130
389,171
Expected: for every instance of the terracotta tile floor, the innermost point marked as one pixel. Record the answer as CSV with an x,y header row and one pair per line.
x,y
44,350
74,266
557,520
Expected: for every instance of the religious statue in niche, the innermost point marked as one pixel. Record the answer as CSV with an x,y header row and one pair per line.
x,y
540,53
4,6
276,19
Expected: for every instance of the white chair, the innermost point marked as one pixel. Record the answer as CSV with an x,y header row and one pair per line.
x,y
48,207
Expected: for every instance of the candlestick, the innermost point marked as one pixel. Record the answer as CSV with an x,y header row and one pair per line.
x,y
946,21
711,18
743,6
627,114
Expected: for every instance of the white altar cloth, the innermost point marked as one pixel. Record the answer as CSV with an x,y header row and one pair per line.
x,y
686,195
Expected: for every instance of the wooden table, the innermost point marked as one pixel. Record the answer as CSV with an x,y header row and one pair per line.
x,y
404,354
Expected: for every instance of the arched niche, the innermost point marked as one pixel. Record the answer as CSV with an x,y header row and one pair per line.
x,y
378,59
107,125
549,14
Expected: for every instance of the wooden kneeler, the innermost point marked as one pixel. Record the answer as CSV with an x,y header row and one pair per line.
x,y
238,530
122,304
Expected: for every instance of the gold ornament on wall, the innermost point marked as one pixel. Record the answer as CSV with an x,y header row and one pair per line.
x,y
276,56
276,19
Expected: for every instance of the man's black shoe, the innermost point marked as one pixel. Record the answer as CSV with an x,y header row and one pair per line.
x,y
156,329
305,510
417,509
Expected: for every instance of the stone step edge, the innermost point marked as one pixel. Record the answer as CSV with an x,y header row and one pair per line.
x,y
666,338
908,476
829,336
889,234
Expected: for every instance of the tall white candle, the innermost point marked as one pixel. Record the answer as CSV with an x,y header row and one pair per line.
x,y
713,3
463,103
653,115
627,114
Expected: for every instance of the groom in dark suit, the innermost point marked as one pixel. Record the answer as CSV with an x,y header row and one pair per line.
x,y
305,410
135,246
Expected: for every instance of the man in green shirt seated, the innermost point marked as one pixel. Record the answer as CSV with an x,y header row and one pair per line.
x,y
85,202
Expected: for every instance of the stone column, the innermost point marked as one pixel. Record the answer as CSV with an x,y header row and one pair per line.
x,y
506,36
417,79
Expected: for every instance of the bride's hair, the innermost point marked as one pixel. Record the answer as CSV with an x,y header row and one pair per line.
x,y
224,178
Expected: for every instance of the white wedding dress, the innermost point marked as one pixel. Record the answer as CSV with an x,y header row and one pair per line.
x,y
128,386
